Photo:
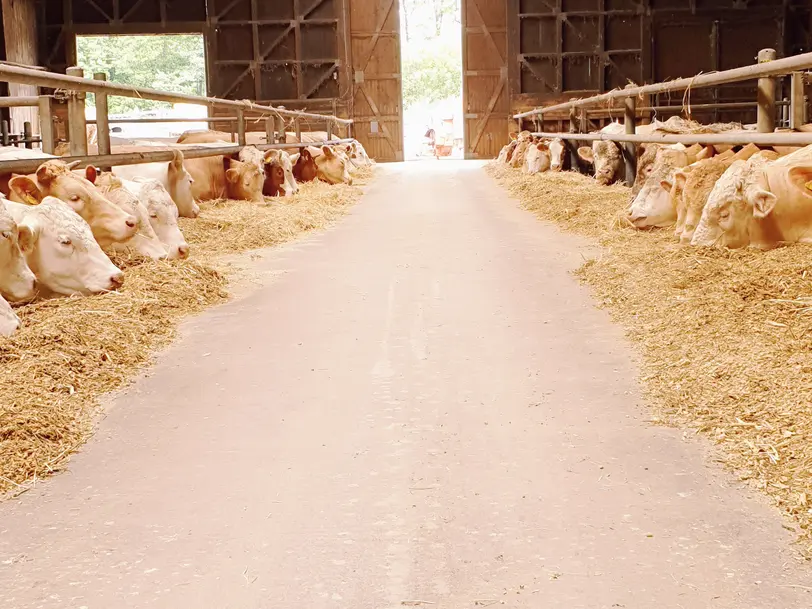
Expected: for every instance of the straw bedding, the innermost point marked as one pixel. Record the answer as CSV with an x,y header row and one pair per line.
x,y
71,351
726,336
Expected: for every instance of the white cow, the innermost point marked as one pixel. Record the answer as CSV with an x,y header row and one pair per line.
x,y
163,215
286,162
60,249
172,176
145,241
17,282
9,322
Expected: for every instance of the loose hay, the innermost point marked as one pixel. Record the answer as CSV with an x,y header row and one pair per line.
x,y
71,351
726,336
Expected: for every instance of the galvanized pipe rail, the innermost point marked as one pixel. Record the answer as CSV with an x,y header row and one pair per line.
x,y
777,67
165,154
738,138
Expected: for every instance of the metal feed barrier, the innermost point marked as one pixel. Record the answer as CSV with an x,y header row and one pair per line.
x,y
74,87
766,70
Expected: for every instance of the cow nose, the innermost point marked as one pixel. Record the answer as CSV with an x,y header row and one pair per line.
x,y
131,222
183,251
349,181
117,280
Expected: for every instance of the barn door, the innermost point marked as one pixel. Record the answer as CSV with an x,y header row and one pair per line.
x,y
377,100
485,95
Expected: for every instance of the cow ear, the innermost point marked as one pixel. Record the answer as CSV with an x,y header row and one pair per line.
x,y
26,189
680,178
294,158
585,152
27,234
328,152
542,146
513,135
763,203
271,155
233,176
91,173
177,160
666,185
46,173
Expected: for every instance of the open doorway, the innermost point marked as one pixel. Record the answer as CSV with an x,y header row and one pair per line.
x,y
431,52
169,62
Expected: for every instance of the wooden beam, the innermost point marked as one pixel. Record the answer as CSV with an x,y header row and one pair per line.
x,y
20,30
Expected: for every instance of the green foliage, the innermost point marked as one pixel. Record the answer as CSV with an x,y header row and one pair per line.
x,y
431,74
171,63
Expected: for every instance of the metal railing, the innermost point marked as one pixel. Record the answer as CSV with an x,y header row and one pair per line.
x,y
74,87
767,68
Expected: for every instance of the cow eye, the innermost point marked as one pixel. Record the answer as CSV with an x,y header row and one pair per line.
x,y
153,214
724,215
75,198
65,241
5,235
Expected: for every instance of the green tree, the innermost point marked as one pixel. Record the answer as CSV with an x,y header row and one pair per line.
x,y
171,63
431,75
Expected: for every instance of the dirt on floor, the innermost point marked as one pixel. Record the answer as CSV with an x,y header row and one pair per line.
x,y
725,335
70,351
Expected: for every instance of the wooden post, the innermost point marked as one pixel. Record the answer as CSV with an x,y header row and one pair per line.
x,y
646,118
241,127
583,120
630,147
797,103
77,122
329,129
102,118
349,130
20,32
280,127
573,148
270,134
28,135
4,132
46,124
766,96
298,127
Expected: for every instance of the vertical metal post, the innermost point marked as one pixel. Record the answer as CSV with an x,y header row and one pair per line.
x,y
630,147
646,118
797,104
46,124
77,123
766,96
298,127
349,130
102,118
329,129
4,132
270,134
240,126
28,135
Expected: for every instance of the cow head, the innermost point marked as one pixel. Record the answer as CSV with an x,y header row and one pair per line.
x,y
9,322
244,181
332,168
61,251
653,205
179,183
283,159
606,159
537,158
163,216
16,279
557,152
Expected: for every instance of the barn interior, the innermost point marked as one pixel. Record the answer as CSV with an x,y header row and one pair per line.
x,y
343,56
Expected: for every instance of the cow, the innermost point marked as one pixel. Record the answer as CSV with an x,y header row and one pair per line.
x,y
698,181
506,152
523,142
559,159
174,177
606,157
537,158
330,166
653,205
284,160
308,137
60,249
54,178
274,180
9,322
304,166
145,241
17,282
762,203
163,215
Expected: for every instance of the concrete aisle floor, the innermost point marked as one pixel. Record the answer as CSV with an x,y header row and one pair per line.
x,y
423,405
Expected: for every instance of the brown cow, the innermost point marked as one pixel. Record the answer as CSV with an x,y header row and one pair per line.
x,y
304,167
218,177
274,184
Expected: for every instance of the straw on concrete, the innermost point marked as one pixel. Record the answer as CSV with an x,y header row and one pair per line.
x,y
726,336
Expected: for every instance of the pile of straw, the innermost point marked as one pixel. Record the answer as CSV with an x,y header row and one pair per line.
x,y
726,336
70,351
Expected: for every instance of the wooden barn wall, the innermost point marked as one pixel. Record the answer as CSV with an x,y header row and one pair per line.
x,y
286,52
575,48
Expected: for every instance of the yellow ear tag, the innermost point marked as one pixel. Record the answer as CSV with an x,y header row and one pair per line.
x,y
30,200
808,185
